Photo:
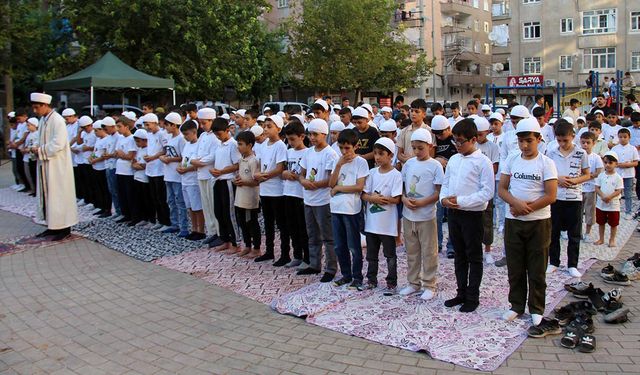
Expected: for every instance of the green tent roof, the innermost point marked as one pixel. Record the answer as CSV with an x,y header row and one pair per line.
x,y
109,72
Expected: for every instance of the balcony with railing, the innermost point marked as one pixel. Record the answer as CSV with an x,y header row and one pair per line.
x,y
500,10
458,6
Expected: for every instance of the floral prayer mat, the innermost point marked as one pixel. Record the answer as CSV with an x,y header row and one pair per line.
x,y
26,205
30,242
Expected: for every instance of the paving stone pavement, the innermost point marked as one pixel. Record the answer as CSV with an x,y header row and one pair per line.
x,y
80,308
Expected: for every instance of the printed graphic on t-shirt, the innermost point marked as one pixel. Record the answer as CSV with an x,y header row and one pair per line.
x,y
170,151
375,208
313,174
412,187
185,162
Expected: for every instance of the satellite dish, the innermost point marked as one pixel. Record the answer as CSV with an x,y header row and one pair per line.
x,y
473,67
492,36
498,67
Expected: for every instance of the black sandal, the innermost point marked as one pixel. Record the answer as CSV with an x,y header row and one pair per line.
x,y
571,339
587,344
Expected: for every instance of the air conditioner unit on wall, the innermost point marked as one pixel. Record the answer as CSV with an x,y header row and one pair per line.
x,y
549,82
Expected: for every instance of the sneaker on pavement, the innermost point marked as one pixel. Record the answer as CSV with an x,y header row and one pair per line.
x,y
389,290
501,262
293,263
630,270
551,269
573,272
616,278
488,258
544,328
617,316
427,295
577,286
408,290
607,271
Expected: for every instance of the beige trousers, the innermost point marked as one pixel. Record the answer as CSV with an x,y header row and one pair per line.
x,y
206,195
421,242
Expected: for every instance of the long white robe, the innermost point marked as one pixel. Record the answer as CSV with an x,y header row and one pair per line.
x,y
56,187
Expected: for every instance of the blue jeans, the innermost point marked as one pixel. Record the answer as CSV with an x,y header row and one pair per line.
x,y
177,209
346,239
499,209
439,216
112,185
628,194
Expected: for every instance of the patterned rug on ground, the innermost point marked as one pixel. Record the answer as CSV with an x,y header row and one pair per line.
x,y
142,244
20,244
26,205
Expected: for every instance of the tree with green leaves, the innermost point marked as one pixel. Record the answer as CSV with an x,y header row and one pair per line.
x,y
352,45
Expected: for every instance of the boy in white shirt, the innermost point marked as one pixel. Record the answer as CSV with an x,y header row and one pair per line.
x,y
189,181
97,161
124,153
455,114
610,128
609,186
247,200
382,192
172,179
143,213
627,162
224,170
273,157
528,184
155,171
315,172
422,177
491,151
467,188
294,195
29,158
109,126
587,141
84,146
346,183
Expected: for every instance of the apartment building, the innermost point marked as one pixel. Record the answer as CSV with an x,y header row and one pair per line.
x,y
563,40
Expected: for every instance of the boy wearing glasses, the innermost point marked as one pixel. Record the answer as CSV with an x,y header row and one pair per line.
x,y
444,150
467,188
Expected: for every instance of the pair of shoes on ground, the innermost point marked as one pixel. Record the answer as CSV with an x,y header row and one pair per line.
x,y
578,339
611,275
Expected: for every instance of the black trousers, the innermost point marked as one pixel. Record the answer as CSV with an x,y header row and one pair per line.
x,y
248,222
102,195
273,210
33,171
466,232
638,181
125,195
388,243
142,207
76,180
566,215
86,181
158,197
297,227
223,197
21,171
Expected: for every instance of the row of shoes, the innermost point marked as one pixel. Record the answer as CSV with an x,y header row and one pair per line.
x,y
629,271
576,319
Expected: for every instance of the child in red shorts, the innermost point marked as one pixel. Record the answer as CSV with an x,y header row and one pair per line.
x,y
609,186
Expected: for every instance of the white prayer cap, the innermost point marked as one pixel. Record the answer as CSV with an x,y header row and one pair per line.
x,y
598,111
130,115
439,122
280,113
388,144
482,124
386,109
33,121
336,126
593,100
257,130
581,118
552,121
333,118
241,112
267,109
37,97
84,121
528,125
485,107
11,114
322,103
173,118
277,120
422,135
569,120
520,111
206,114
263,117
501,111
368,107
299,117
97,124
150,117
612,154
138,124
108,121
496,116
388,126
318,125
350,108
226,116
337,107
360,112
140,133
68,112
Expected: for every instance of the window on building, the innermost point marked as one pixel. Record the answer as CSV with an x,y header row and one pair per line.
x,y
476,3
635,61
566,25
635,21
531,30
486,27
566,62
531,65
487,50
476,47
599,58
476,25
530,1
283,3
599,21
486,5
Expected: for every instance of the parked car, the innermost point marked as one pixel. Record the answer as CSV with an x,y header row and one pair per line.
x,y
109,108
221,108
286,107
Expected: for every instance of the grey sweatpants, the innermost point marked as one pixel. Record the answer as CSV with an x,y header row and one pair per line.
x,y
320,231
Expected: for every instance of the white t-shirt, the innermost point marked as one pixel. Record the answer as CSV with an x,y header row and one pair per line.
x,y
595,162
608,183
113,142
141,176
420,179
547,133
29,142
155,144
318,166
270,156
12,136
527,182
189,151
336,147
207,144
72,132
349,203
173,148
88,140
98,150
491,151
626,154
610,133
226,154
382,219
126,145
570,166
510,146
293,188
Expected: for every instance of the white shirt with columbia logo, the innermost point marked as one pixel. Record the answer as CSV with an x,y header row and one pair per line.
x,y
527,182
570,166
